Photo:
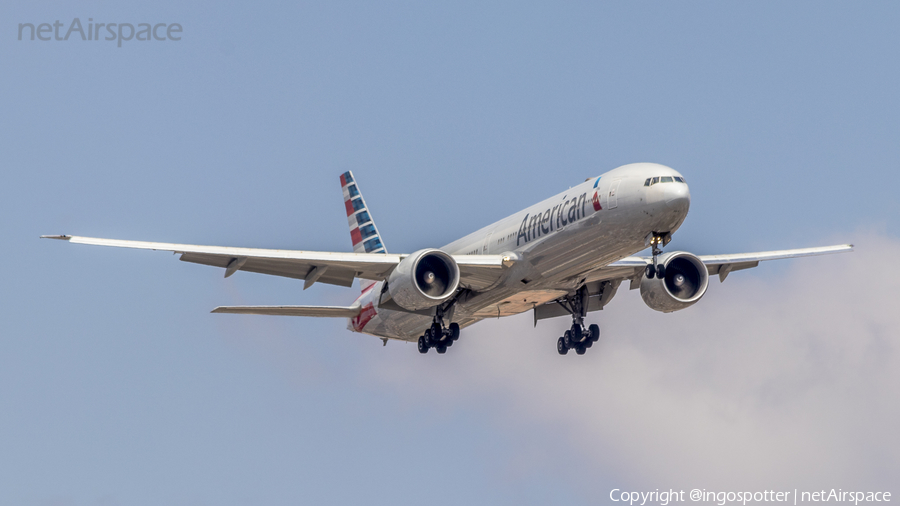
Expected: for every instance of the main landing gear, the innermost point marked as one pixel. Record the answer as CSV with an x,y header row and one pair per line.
x,y
577,337
437,336
655,269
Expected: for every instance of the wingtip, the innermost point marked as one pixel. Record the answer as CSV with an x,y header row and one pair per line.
x,y
60,237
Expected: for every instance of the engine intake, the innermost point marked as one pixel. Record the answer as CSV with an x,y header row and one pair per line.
x,y
685,282
424,279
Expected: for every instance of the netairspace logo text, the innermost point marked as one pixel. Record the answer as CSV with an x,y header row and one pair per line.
x,y
93,31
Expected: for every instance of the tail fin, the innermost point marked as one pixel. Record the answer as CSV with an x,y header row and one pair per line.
x,y
363,232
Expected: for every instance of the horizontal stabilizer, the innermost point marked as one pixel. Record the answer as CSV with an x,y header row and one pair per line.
x,y
321,311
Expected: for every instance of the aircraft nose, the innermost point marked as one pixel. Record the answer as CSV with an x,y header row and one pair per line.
x,y
677,196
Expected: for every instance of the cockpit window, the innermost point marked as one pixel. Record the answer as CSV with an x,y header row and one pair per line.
x,y
663,179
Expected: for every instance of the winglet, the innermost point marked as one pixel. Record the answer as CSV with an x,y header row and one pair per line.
x,y
61,237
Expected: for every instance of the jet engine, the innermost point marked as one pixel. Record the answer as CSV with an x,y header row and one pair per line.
x,y
424,279
684,282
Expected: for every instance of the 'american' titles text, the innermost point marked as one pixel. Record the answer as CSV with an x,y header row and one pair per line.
x,y
560,215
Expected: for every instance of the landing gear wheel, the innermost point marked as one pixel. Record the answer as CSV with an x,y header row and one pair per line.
x,y
580,349
588,343
561,346
594,332
577,333
661,271
436,331
423,346
454,331
650,271
567,339
441,348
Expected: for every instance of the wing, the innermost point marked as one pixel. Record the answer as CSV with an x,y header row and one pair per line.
x,y
603,283
632,267
723,264
335,268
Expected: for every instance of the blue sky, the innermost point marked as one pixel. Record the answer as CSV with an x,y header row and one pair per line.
x,y
118,387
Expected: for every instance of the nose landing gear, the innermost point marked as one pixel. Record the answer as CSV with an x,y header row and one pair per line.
x,y
655,240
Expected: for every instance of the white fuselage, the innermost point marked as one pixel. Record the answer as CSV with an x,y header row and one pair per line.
x,y
557,243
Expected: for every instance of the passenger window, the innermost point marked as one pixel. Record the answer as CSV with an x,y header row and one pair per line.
x,y
665,179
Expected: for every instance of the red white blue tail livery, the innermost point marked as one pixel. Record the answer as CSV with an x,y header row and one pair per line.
x,y
363,233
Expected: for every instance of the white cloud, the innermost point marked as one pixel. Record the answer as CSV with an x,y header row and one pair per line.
x,y
769,382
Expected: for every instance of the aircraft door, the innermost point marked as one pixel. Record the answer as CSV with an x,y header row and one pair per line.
x,y
613,191
487,244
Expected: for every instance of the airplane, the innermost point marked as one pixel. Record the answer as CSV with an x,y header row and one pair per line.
x,y
564,256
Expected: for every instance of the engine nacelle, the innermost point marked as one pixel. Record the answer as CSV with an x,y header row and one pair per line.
x,y
685,282
424,279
